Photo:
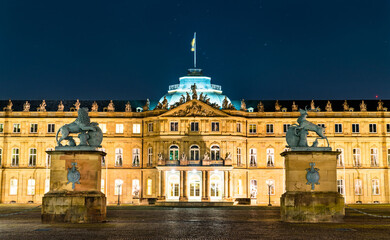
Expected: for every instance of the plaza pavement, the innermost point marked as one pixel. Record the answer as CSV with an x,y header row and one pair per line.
x,y
237,222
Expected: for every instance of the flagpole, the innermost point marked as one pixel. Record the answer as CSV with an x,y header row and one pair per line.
x,y
195,51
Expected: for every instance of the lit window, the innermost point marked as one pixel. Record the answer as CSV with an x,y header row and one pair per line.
x,y
388,157
150,156
32,158
103,127
250,109
239,186
340,186
285,127
47,185
51,128
358,187
48,157
270,157
215,126
194,126
253,188
13,188
194,152
1,156
16,128
215,152
355,128
338,128
270,186
239,161
135,157
139,109
174,126
137,128
15,157
253,157
149,187
31,187
173,153
356,157
102,185
375,186
33,128
238,127
135,188
118,157
374,157
340,157
388,128
270,128
150,127
103,157
118,187
372,127
252,128
1,127
119,128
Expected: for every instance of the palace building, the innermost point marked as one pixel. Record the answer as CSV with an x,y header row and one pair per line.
x,y
196,145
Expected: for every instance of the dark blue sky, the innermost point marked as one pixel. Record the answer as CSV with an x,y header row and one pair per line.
x,y
261,49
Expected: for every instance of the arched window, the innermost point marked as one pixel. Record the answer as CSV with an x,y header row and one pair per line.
x,y
270,157
136,157
194,185
358,187
138,109
215,152
13,186
253,188
173,152
194,152
375,187
31,187
32,158
118,186
253,157
118,157
215,186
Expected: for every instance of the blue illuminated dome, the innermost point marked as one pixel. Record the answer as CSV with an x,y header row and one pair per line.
x,y
203,85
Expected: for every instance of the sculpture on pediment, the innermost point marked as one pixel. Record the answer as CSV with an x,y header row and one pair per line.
x,y
60,107
89,133
188,98
193,109
328,107
94,107
76,106
182,99
147,105
345,106
207,100
194,93
201,97
164,104
296,135
260,107
26,107
380,106
312,106
225,103
42,107
110,107
8,108
128,107
294,107
243,105
159,106
231,106
363,106
277,106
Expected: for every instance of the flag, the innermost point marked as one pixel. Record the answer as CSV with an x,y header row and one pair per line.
x,y
193,43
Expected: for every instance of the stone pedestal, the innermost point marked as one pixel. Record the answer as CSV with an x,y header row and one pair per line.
x,y
81,203
311,202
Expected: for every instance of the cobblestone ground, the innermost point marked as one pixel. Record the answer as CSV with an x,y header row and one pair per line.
x,y
143,222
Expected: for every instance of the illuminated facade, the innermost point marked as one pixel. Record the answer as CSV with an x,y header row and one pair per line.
x,y
195,151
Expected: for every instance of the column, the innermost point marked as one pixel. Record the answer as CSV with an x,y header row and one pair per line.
x,y
205,191
230,184
159,185
225,185
181,186
203,185
162,185
185,197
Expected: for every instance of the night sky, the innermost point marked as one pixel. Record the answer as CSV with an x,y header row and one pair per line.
x,y
263,49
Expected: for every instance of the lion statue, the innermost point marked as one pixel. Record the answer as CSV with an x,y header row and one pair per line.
x,y
90,133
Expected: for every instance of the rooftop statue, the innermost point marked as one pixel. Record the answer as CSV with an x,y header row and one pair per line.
x,y
294,107
363,106
277,106
260,107
26,107
42,107
194,93
243,105
328,107
128,107
94,107
61,107
147,105
296,135
90,134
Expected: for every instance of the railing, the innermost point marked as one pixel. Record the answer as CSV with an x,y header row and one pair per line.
x,y
216,87
174,87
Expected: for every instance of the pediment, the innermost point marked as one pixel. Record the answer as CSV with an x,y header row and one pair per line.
x,y
194,108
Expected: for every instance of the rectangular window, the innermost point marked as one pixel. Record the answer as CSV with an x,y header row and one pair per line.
x,y
51,128
31,187
388,157
375,187
340,186
48,157
356,157
238,127
102,185
150,156
253,157
355,128
374,157
239,161
239,186
137,128
285,127
340,157
15,157
1,156
1,127
270,157
16,128
33,128
119,128
388,128
358,187
118,157
149,187
136,157
215,126
32,158
252,128
103,127
150,127
338,128
13,188
270,128
174,126
103,157
194,126
372,127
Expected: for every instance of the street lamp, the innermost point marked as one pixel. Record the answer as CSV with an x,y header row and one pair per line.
x,y
269,183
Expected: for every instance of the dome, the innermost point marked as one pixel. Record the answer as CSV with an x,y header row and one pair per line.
x,y
203,85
